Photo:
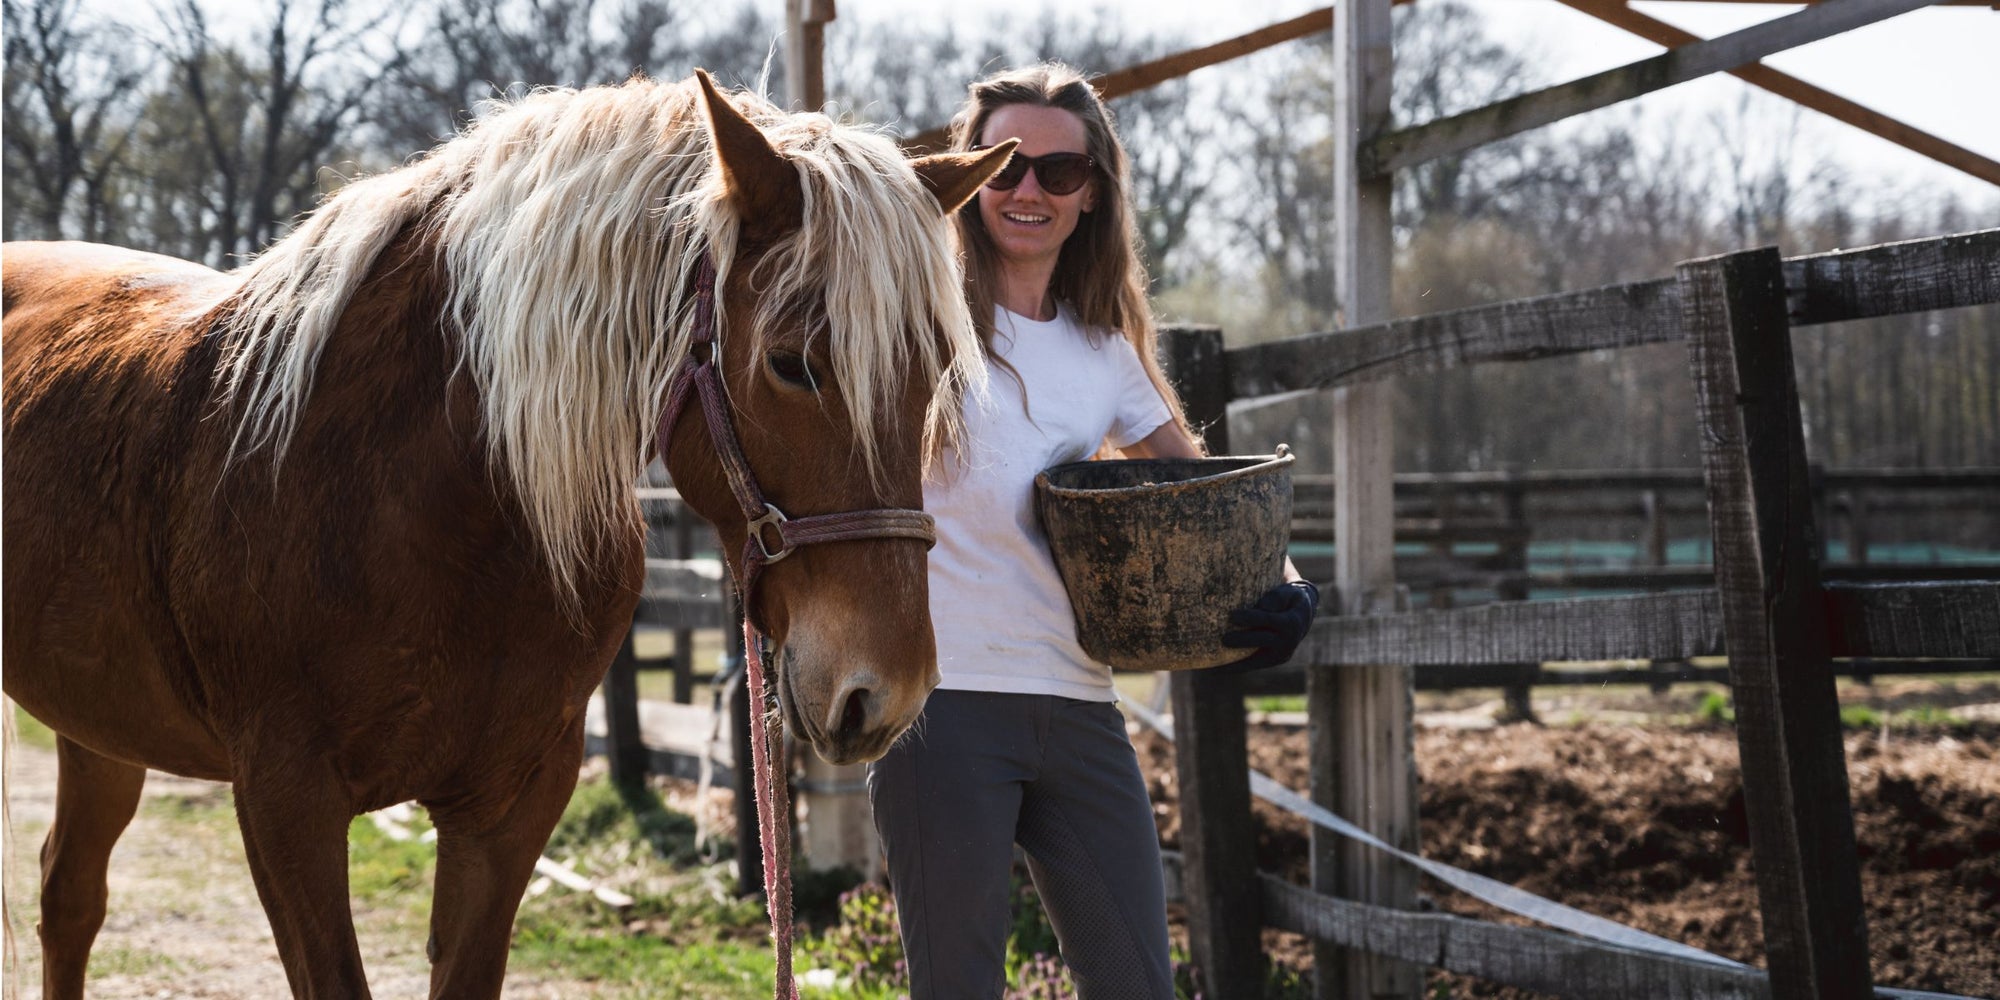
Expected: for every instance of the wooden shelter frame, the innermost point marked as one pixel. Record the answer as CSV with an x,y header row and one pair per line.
x,y
1769,600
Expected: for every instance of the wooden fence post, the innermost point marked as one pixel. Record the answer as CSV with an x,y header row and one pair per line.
x,y
624,745
1857,526
1519,697
1359,728
1655,505
1211,752
683,662
1444,510
1774,620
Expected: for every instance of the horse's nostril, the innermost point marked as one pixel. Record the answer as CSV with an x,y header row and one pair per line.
x,y
854,713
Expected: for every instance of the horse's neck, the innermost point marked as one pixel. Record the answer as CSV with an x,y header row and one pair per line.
x,y
385,387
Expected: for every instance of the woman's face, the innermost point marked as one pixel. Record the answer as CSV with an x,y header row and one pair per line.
x,y
1027,223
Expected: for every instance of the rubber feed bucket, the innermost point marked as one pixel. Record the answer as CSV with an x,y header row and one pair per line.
x,y
1157,552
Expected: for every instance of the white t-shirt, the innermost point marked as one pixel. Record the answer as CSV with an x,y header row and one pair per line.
x,y
1002,618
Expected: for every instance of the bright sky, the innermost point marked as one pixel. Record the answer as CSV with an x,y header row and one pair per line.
x,y
1936,69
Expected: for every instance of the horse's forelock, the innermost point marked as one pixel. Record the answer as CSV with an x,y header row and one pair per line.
x,y
869,229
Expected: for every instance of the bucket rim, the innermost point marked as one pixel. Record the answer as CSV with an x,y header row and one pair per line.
x,y
1261,465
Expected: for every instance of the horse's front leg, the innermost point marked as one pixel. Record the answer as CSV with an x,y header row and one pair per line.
x,y
484,863
294,812
95,799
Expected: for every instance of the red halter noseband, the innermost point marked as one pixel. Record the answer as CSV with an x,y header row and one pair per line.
x,y
704,375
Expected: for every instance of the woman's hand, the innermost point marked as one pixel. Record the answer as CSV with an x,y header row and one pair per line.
x,y
1274,626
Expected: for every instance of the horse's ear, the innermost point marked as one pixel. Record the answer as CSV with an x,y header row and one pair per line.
x,y
953,178
763,185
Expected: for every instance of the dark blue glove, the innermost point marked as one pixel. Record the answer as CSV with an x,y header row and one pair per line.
x,y
1274,626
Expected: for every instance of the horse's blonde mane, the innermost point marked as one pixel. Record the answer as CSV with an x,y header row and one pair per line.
x,y
567,222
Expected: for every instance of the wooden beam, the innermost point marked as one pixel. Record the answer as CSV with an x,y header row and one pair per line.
x,y
1448,677
805,53
1955,619
1360,736
1119,83
1668,626
567,877
1915,619
1211,752
1969,477
1788,730
625,744
1942,272
1798,91
1414,484
1457,133
681,542
1615,316
1152,73
1532,958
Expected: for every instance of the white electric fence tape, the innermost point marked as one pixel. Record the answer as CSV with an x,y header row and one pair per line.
x,y
1499,894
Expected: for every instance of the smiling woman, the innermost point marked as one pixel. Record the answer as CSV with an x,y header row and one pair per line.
x,y
1021,742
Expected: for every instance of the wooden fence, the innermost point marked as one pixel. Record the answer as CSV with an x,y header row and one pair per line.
x,y
1771,599
1770,609
1476,527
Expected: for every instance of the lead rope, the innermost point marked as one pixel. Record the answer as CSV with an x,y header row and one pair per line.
x,y
773,812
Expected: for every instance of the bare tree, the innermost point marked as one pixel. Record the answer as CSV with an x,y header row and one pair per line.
x,y
474,50
265,117
1775,176
70,96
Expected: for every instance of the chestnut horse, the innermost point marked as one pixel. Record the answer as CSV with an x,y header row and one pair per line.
x,y
353,524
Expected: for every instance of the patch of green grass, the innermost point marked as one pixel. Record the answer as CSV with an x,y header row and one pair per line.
x,y
213,808
865,954
137,963
1716,709
683,935
381,870
30,731
1927,716
1860,717
639,964
600,811
1277,703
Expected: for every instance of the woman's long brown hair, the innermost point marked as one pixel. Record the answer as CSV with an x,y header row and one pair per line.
x,y
1099,273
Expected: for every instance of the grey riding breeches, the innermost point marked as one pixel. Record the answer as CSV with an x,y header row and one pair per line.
x,y
981,772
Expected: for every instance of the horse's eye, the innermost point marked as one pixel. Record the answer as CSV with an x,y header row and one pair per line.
x,y
793,369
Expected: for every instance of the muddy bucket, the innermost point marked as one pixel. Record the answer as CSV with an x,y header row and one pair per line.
x,y
1157,552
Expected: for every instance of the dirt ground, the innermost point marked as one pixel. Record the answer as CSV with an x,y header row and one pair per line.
x,y
184,922
1646,825
1642,823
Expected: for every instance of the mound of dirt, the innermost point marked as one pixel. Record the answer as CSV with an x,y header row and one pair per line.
x,y
1646,825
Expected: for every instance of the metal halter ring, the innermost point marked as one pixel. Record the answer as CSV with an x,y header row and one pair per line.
x,y
772,517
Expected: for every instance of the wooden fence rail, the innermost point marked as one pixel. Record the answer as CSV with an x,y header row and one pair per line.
x,y
1548,961
1919,275
1887,621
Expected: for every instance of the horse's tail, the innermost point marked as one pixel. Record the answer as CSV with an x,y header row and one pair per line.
x,y
7,745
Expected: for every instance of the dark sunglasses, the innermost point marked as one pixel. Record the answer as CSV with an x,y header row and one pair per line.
x,y
1058,173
